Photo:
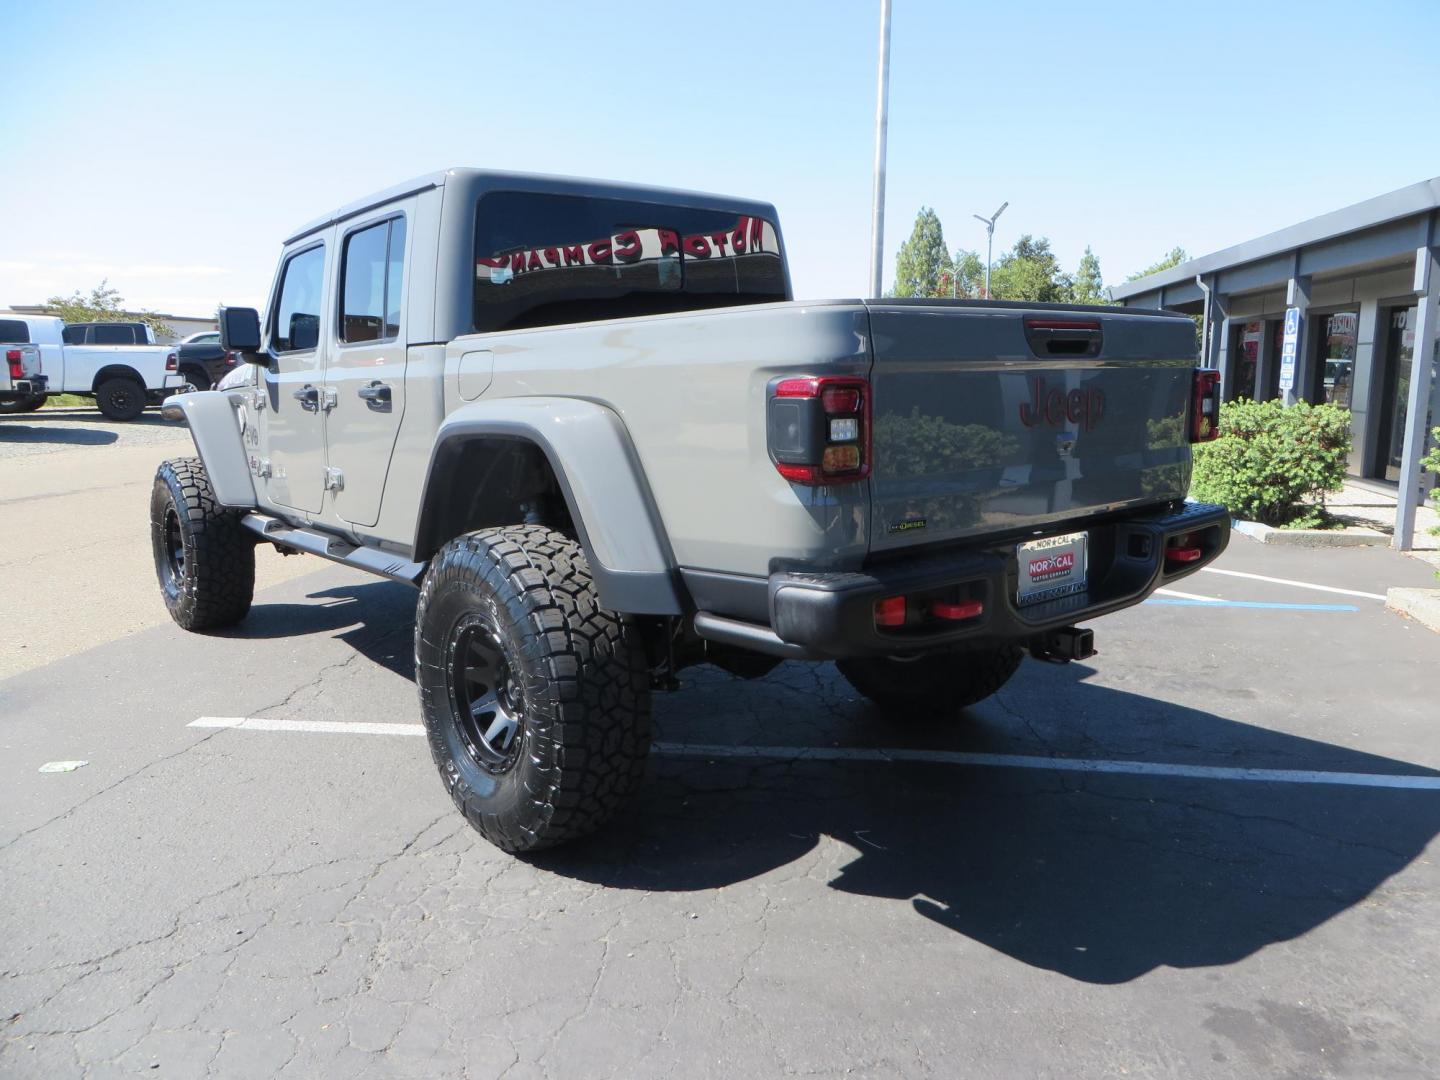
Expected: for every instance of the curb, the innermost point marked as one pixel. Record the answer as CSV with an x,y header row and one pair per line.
x,y
1311,538
1422,605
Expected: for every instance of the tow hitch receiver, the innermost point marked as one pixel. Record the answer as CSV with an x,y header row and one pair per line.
x,y
1062,646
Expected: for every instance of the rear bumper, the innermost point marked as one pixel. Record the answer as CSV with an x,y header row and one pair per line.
x,y
832,615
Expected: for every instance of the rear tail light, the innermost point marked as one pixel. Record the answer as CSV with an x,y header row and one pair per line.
x,y
12,357
818,429
1205,406
172,362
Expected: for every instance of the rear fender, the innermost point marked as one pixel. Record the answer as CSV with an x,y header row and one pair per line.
x,y
592,458
216,428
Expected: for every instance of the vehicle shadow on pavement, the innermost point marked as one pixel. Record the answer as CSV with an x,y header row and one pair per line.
x,y
372,614
14,430
1099,877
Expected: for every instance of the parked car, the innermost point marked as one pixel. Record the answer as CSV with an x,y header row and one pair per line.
x,y
22,386
204,361
591,424
122,377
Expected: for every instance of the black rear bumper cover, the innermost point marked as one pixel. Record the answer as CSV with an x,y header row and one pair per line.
x,y
832,615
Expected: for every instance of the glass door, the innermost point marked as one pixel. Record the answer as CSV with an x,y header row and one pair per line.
x,y
1245,350
1335,369
1399,360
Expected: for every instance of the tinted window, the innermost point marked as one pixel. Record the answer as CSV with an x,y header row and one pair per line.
x,y
112,335
14,332
297,314
74,335
395,277
363,290
547,259
371,282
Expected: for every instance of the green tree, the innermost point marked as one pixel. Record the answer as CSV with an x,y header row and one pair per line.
x,y
1088,286
1174,258
970,269
923,259
104,304
1030,271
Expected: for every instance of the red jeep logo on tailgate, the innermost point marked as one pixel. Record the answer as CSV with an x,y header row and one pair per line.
x,y
1083,408
1052,566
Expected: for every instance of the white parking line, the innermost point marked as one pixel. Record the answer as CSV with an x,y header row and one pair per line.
x,y
887,755
1185,595
329,727
1023,761
1289,581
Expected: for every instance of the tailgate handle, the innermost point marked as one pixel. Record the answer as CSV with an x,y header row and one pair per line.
x,y
1064,337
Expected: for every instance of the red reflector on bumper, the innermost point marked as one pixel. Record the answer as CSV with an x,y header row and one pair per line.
x,y
1182,554
890,611
966,609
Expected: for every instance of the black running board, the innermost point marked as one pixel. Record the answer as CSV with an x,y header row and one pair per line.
x,y
334,549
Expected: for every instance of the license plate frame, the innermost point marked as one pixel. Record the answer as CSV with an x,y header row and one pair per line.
x,y
1051,567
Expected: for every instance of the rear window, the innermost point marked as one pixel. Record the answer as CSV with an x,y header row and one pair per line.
x,y
542,260
14,332
112,335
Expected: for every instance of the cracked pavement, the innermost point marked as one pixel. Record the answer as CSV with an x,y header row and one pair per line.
x,y
232,903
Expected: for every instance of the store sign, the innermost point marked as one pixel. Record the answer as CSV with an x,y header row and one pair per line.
x,y
1287,348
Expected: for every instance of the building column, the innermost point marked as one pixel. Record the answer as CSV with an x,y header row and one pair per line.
x,y
1364,381
1427,313
1297,295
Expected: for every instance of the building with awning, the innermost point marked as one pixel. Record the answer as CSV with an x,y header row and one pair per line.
x,y
1341,308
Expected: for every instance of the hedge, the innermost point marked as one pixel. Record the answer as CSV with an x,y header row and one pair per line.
x,y
1274,464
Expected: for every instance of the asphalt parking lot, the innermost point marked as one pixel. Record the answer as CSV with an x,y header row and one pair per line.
x,y
1208,852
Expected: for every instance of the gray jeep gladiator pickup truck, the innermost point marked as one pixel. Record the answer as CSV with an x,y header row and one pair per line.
x,y
588,421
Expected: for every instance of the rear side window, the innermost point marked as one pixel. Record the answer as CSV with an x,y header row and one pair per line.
x,y
297,310
372,282
112,335
542,259
14,332
74,335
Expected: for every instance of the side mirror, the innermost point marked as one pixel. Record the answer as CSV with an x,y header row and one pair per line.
x,y
240,332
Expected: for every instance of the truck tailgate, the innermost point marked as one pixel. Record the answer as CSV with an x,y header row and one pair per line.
x,y
997,418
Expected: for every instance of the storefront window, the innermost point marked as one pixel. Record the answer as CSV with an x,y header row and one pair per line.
x,y
1399,361
1246,352
1336,367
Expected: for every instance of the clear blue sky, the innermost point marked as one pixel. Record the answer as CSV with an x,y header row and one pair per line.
x,y
170,147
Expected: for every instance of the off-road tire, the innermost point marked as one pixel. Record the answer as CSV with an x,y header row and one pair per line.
x,y
934,684
212,582
22,405
579,672
120,398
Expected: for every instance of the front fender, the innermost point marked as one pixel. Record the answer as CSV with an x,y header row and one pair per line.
x,y
210,416
592,457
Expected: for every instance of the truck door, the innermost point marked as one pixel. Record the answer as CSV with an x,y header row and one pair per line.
x,y
365,375
293,419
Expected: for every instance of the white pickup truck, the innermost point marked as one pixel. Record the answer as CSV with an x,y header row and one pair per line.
x,y
123,379
20,377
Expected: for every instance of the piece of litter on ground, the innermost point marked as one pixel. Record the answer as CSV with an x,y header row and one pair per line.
x,y
63,766
860,835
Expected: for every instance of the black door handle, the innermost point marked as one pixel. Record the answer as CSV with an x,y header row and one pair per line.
x,y
308,396
377,393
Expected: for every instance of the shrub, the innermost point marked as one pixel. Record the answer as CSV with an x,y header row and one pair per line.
x,y
1431,461
1269,461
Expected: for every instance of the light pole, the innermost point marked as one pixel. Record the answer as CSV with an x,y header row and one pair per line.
x,y
882,110
989,241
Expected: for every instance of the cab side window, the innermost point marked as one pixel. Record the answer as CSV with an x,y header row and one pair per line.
x,y
371,281
297,310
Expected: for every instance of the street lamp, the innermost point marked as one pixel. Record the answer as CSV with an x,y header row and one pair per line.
x,y
882,111
989,241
